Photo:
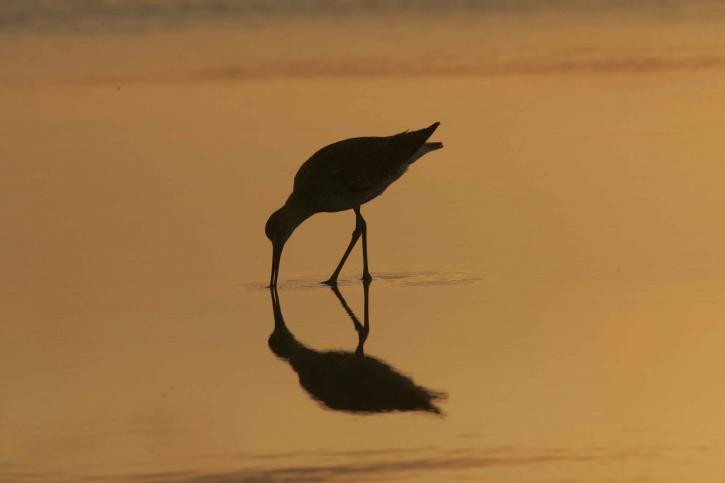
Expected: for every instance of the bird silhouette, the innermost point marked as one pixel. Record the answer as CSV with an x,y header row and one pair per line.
x,y
343,176
349,381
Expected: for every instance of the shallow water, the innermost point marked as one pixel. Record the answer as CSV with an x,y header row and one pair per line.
x,y
556,270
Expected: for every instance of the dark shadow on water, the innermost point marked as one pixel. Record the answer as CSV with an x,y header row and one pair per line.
x,y
349,381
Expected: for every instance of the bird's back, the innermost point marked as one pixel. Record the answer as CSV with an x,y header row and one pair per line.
x,y
350,172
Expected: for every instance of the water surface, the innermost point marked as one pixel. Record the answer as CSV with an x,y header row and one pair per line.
x,y
557,269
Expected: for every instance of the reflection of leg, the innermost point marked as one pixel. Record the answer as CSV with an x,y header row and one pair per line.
x,y
350,313
362,330
366,315
366,294
355,235
364,228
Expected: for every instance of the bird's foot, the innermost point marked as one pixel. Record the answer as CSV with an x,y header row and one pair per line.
x,y
332,282
367,278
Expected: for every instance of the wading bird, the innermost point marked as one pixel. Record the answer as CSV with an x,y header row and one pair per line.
x,y
342,176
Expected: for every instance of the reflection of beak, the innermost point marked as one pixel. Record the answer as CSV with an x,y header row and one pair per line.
x,y
276,256
275,307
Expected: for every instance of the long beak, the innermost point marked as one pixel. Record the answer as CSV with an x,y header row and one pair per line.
x,y
276,256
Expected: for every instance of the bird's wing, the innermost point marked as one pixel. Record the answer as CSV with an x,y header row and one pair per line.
x,y
360,164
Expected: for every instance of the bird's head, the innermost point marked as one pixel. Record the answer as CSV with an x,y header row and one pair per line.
x,y
279,227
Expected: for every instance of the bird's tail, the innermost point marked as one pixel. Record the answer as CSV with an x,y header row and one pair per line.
x,y
424,149
417,142
429,130
422,136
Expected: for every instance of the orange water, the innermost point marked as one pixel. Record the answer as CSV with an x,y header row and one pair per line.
x,y
557,269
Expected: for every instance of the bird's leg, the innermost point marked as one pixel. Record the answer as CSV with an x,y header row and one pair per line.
x,y
360,221
355,235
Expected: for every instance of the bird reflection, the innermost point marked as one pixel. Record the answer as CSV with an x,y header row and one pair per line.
x,y
349,381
